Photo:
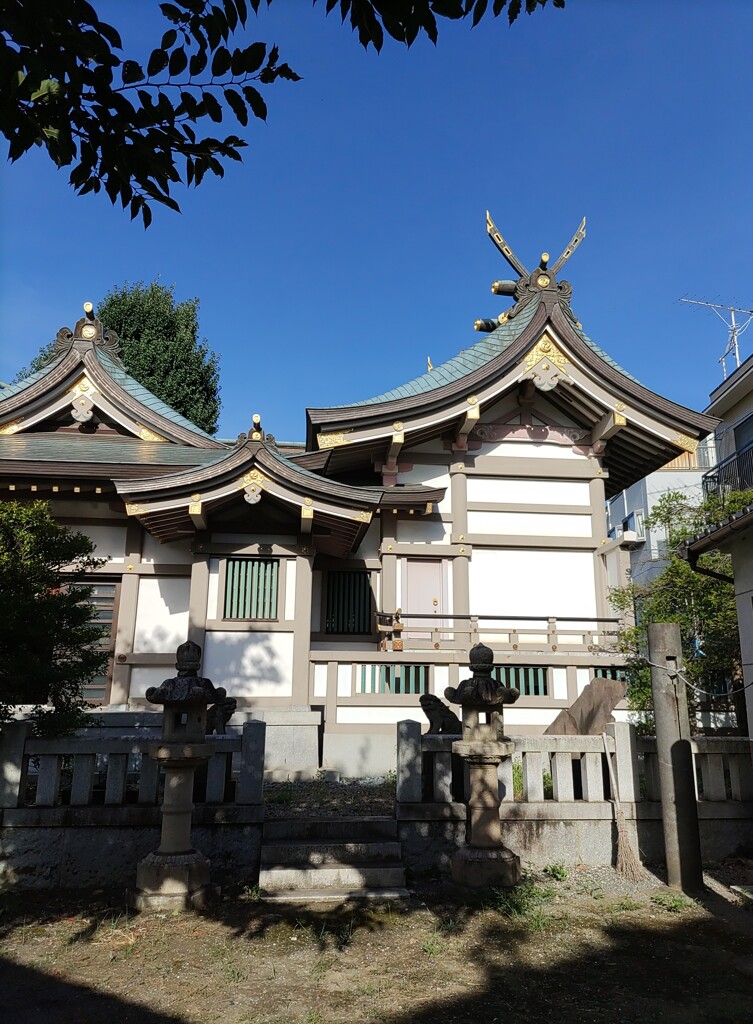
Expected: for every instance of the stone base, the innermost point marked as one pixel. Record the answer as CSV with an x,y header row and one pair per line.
x,y
172,881
477,868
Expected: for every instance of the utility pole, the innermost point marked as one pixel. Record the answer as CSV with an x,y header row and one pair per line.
x,y
734,330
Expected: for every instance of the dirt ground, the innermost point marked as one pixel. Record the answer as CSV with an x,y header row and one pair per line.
x,y
579,948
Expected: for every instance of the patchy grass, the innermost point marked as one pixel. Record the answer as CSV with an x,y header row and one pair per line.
x,y
538,952
556,871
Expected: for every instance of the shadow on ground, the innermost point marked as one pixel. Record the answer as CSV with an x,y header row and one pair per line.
x,y
486,966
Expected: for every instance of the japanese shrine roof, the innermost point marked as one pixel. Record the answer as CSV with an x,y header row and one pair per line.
x,y
82,450
475,357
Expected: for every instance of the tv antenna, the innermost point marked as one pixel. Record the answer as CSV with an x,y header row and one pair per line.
x,y
734,330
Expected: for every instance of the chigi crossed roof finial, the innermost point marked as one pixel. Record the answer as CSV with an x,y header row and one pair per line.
x,y
529,285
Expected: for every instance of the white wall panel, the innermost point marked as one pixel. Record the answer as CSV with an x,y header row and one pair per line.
x,y
519,581
582,679
320,680
143,676
250,664
431,476
352,714
214,607
528,450
559,683
422,531
109,541
441,680
176,552
162,614
344,680
530,492
290,570
528,716
529,524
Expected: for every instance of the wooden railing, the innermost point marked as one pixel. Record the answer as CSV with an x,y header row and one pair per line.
x,y
509,632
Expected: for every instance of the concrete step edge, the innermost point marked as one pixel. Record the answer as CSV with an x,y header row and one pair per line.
x,y
335,895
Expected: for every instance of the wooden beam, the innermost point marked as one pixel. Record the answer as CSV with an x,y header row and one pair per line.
x,y
198,516
467,424
307,519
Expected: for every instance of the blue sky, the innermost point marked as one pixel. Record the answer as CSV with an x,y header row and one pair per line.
x,y
350,244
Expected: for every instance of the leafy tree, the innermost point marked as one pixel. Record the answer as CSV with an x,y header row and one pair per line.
x,y
160,348
137,127
703,606
49,637
159,338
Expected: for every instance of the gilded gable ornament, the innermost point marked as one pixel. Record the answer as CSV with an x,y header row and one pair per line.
x,y
334,440
546,364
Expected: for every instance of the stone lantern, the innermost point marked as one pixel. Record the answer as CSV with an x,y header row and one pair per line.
x,y
176,875
484,860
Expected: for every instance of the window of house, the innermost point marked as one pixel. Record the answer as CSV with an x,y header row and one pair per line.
x,y
348,607
251,588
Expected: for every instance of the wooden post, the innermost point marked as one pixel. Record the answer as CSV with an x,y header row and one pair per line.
x,y
682,842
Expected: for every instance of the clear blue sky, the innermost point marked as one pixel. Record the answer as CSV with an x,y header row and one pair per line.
x,y
350,244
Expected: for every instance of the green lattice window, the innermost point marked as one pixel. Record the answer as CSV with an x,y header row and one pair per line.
x,y
528,680
251,588
410,679
348,602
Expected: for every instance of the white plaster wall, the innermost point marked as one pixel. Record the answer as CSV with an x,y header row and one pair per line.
x,y
531,582
421,531
175,552
109,541
162,614
63,509
529,524
582,679
559,683
427,448
320,680
250,664
214,611
531,492
352,714
529,450
289,565
344,680
369,546
142,677
528,716
431,476
441,679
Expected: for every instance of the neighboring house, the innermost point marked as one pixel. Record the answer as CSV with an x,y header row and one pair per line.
x,y
732,402
471,499
628,510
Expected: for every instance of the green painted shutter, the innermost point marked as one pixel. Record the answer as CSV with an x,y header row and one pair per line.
x,y
251,588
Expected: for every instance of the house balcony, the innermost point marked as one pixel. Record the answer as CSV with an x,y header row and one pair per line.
x,y
732,474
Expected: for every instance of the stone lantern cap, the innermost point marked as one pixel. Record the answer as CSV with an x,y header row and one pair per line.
x,y
188,688
481,692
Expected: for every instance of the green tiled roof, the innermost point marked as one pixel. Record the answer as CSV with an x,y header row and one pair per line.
x,y
121,377
21,385
84,450
491,345
145,397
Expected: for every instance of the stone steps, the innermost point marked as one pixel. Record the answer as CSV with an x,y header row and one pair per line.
x,y
331,859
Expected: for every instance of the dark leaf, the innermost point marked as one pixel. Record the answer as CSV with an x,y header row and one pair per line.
x,y
168,39
221,62
212,107
172,13
255,101
197,63
157,62
513,10
479,11
237,105
132,72
253,57
178,61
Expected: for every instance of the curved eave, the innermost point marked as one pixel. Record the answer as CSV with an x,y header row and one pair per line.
x,y
49,394
334,514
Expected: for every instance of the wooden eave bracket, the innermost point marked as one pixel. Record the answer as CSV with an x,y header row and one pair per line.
x,y
609,424
471,418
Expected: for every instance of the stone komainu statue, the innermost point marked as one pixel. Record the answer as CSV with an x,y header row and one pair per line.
x,y
220,714
441,718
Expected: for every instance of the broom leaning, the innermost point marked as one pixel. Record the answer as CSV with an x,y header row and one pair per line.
x,y
628,862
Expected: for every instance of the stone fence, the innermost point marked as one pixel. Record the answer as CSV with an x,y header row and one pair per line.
x,y
556,797
81,811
